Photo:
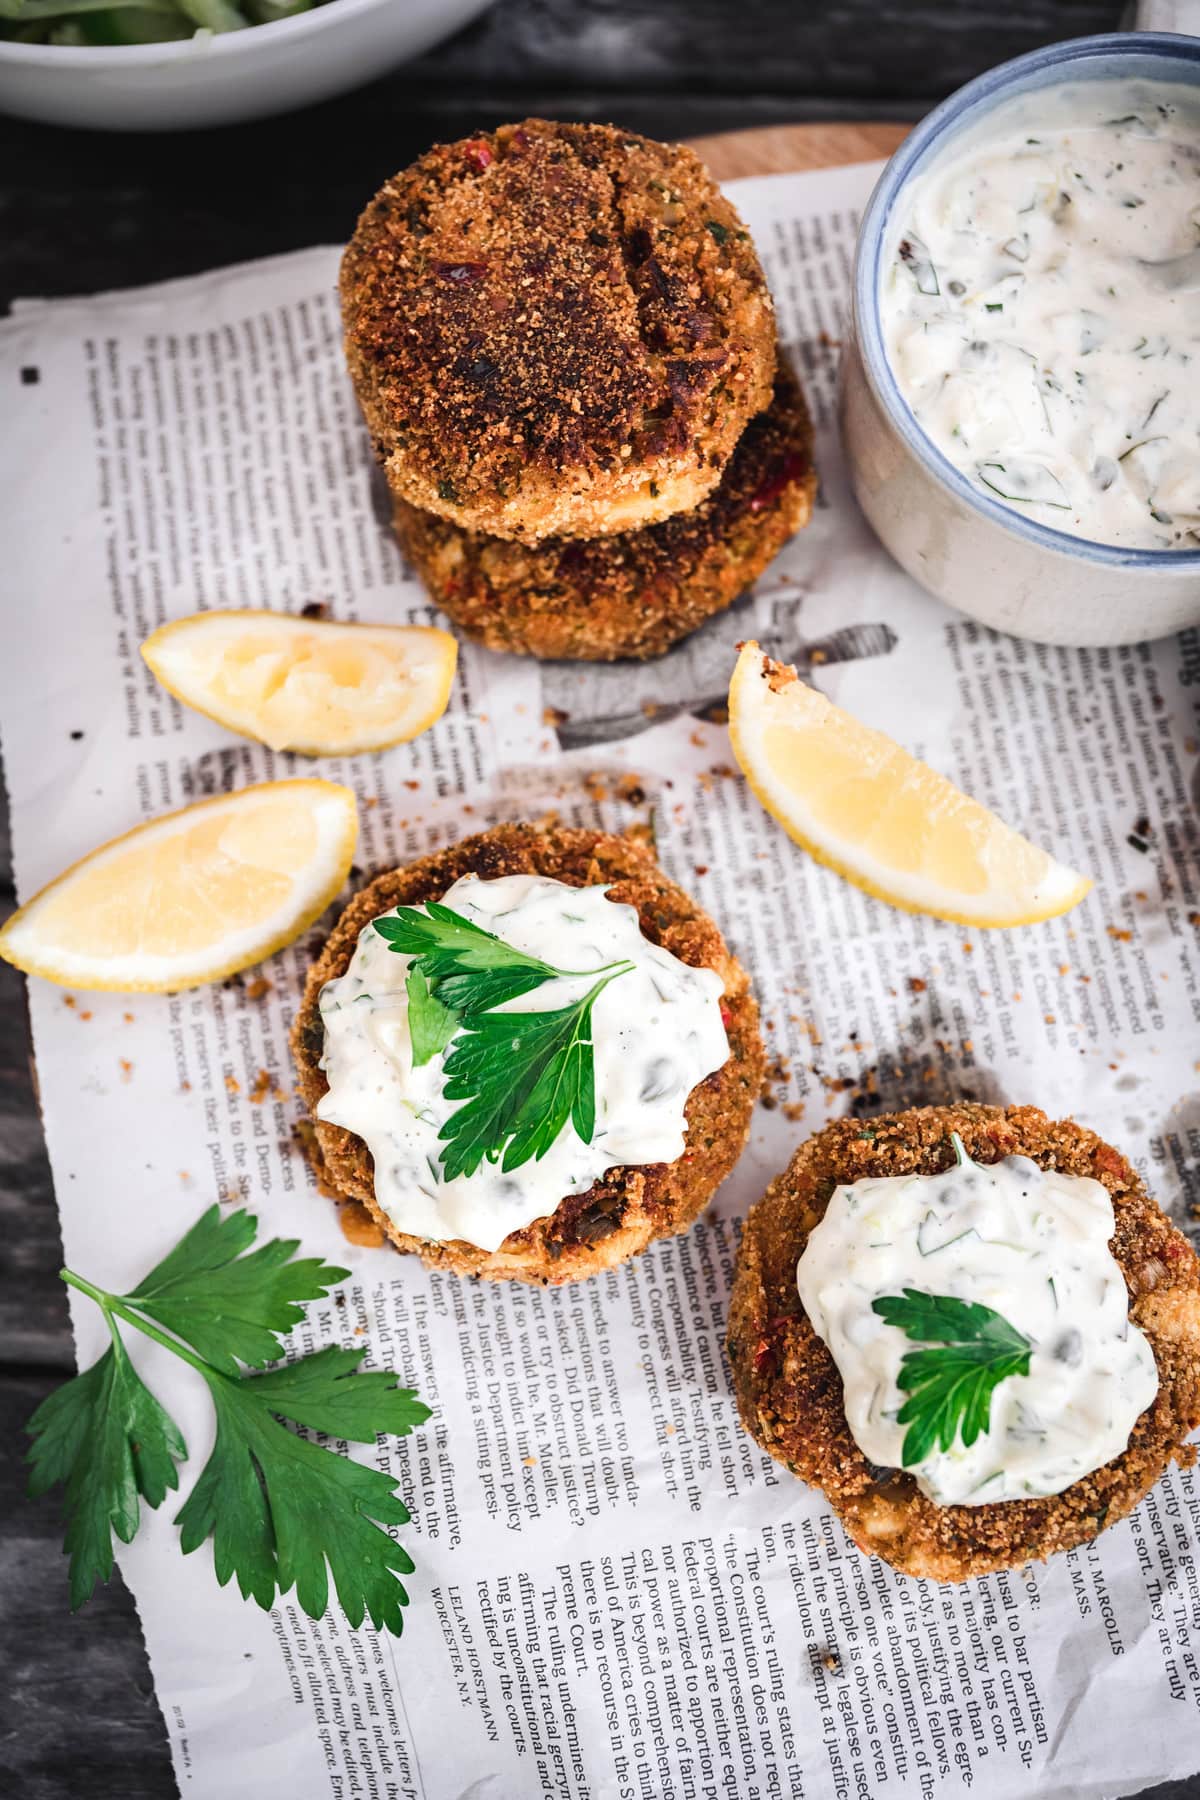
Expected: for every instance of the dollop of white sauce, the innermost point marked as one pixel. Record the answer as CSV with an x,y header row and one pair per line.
x,y
1032,1244
1035,347
656,1031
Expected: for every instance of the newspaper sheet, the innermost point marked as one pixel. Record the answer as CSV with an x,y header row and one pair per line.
x,y
617,1596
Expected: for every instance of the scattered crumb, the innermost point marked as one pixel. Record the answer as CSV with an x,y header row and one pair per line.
x,y
412,785
128,1018
916,985
85,1015
256,989
554,716
126,1068
233,1084
529,1462
261,1088
1120,934
316,609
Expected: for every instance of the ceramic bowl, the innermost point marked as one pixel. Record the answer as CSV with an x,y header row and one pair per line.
x,y
221,80
998,565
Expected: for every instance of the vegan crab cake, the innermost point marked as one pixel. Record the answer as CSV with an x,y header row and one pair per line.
x,y
637,593
555,329
992,1306
404,1095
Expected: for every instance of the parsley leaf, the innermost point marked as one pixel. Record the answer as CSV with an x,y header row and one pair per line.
x,y
317,1391
522,1076
229,1307
282,1511
105,1437
950,1387
430,1024
468,968
279,1509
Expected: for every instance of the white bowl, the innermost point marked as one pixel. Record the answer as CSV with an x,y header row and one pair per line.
x,y
219,80
977,554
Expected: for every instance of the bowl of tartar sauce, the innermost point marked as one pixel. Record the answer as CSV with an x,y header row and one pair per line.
x,y
1021,378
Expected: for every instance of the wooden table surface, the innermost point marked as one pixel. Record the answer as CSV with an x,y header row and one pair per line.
x,y
84,212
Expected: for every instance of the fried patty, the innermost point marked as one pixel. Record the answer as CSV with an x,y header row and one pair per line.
x,y
628,1207
555,329
789,1390
638,593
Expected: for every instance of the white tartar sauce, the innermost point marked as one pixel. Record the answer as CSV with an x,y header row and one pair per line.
x,y
656,1032
1032,1245
1036,345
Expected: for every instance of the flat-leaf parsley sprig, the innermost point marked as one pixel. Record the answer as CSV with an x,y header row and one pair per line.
x,y
282,1511
950,1384
521,1075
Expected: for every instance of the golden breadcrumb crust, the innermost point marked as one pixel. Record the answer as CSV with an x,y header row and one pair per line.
x,y
555,330
789,1391
637,593
629,1207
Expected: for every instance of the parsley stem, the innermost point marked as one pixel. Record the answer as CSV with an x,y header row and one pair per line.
x,y
113,1303
622,964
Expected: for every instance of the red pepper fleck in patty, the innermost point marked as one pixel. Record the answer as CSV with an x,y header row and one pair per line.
x,y
790,469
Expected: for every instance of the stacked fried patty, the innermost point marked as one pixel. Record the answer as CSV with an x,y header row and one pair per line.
x,y
564,348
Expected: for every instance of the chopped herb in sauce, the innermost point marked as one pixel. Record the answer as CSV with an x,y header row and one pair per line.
x,y
1052,239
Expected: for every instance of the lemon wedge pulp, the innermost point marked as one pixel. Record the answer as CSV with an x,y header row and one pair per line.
x,y
193,896
309,685
859,802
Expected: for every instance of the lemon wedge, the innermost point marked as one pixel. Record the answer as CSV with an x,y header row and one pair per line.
x,y
308,685
194,896
861,803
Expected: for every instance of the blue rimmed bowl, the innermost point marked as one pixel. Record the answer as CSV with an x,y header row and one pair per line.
x,y
997,565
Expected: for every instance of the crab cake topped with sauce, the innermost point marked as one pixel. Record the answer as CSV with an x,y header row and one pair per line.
x,y
555,330
972,1328
639,592
528,1055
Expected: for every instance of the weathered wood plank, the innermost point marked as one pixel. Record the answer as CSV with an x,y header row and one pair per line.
x,y
80,1716
770,148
